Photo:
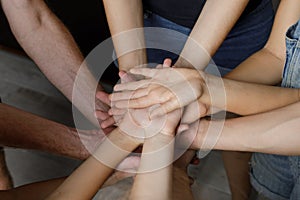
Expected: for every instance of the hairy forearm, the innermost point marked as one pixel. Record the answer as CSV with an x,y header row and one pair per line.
x,y
214,23
155,169
41,190
275,132
125,19
48,42
23,130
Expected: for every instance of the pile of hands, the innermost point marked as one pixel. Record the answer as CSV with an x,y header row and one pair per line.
x,y
164,99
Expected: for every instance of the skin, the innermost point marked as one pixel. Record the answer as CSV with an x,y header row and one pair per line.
x,y
173,94
224,17
264,67
243,134
93,172
51,46
17,125
5,177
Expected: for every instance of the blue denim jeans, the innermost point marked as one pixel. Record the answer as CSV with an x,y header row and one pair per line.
x,y
278,177
248,36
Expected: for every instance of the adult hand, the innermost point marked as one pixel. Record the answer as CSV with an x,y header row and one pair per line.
x,y
141,118
172,88
194,135
102,106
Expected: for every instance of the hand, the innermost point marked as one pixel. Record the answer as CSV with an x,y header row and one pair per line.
x,y
195,136
194,111
87,141
102,106
110,118
167,123
141,116
173,88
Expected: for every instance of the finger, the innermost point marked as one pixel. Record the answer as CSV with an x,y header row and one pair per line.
x,y
182,127
125,77
103,97
147,72
165,108
116,111
195,161
167,63
132,85
132,162
108,130
160,66
189,136
142,102
108,122
127,95
101,115
118,96
193,112
122,74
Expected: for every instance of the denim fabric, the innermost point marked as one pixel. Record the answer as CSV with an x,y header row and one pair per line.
x,y
277,177
248,36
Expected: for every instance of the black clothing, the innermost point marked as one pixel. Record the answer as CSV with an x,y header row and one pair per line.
x,y
185,13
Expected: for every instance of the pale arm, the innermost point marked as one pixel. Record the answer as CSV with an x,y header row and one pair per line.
x,y
246,98
154,180
48,42
274,132
125,19
91,175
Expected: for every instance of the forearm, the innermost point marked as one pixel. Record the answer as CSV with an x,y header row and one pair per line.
x,y
155,171
266,66
47,41
125,19
246,98
41,190
214,23
263,67
275,132
24,130
91,175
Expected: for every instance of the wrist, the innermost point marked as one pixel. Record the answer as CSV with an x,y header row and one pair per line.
x,y
133,59
183,63
202,131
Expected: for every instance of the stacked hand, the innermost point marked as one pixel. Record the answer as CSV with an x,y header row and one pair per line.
x,y
172,88
137,120
143,108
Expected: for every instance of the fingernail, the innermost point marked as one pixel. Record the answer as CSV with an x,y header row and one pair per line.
x,y
116,87
103,125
